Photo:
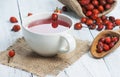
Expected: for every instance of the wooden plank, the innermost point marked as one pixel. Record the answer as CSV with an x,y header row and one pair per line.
x,y
83,34
4,71
62,74
112,61
96,67
77,70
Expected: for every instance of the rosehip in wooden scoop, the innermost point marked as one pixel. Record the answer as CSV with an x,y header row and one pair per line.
x,y
107,43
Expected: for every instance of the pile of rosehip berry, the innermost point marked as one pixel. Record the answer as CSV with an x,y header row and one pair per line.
x,y
106,43
91,8
99,23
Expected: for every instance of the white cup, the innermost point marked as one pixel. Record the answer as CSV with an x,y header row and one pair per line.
x,y
48,44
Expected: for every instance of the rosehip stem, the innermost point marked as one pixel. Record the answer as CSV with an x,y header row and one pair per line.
x,y
8,59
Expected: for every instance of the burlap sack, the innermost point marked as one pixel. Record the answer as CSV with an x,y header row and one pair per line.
x,y
75,6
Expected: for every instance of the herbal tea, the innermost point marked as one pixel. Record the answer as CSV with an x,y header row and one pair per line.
x,y
45,26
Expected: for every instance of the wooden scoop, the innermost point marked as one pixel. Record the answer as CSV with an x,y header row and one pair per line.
x,y
105,33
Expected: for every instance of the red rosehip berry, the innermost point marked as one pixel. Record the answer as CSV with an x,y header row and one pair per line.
x,y
93,26
100,8
78,26
83,20
29,14
54,24
108,40
115,39
106,47
89,22
11,53
13,19
100,27
16,28
117,21
64,8
84,2
54,17
95,2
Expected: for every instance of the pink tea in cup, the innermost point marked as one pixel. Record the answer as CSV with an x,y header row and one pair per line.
x,y
45,26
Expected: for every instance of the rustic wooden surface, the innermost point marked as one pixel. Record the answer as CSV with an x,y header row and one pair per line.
x,y
86,66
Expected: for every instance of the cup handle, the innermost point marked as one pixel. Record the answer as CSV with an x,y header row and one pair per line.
x,y
71,43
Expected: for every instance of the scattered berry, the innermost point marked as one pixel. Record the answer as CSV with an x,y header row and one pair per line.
x,y
117,21
13,19
54,17
16,28
29,14
83,20
11,53
78,26
54,24
64,8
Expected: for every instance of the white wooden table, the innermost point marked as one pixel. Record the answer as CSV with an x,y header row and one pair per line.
x,y
86,66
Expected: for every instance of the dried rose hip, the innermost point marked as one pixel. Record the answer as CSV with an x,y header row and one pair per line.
x,y
95,11
103,17
100,8
29,14
100,44
13,19
78,26
110,1
100,49
93,26
16,28
88,13
106,47
89,21
89,7
11,53
108,40
102,2
100,27
107,6
99,21
84,2
115,39
64,8
111,44
95,2
54,17
54,24
94,16
112,19
117,21
105,21
83,20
